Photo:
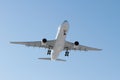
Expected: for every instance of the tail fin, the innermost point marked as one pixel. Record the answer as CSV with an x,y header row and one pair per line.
x,y
51,60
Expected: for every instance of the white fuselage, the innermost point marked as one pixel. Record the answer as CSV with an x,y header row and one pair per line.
x,y
60,40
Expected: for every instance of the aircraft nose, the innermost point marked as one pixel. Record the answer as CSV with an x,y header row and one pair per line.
x,y
65,21
65,25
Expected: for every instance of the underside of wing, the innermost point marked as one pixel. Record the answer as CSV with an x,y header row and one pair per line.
x,y
72,46
48,44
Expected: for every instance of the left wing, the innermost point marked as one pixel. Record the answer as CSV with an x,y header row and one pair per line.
x,y
71,46
48,44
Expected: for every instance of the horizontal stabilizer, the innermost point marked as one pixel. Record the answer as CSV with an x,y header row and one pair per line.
x,y
50,59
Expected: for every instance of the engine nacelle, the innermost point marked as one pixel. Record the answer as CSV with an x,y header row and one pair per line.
x,y
76,43
44,40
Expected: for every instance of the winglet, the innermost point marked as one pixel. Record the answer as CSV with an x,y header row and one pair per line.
x,y
51,60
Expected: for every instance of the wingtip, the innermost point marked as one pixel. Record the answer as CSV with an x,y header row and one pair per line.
x,y
99,49
14,42
11,42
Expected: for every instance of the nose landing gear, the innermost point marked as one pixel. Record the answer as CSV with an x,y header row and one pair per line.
x,y
64,32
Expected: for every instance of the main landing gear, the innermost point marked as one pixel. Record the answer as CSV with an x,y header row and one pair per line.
x,y
49,52
67,53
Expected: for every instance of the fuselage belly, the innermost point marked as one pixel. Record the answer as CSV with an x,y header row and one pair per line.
x,y
60,40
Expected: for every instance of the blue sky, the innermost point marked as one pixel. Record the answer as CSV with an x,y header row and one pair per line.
x,y
93,23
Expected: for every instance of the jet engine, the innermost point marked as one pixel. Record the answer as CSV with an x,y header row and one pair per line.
x,y
76,43
44,40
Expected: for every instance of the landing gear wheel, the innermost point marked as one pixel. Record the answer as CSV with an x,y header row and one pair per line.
x,y
66,53
64,33
49,52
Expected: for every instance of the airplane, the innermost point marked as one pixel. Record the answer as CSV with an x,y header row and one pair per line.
x,y
59,44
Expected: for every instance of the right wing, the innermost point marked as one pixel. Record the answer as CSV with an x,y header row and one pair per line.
x,y
48,44
71,46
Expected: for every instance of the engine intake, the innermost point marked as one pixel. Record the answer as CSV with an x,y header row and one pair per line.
x,y
44,40
76,43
